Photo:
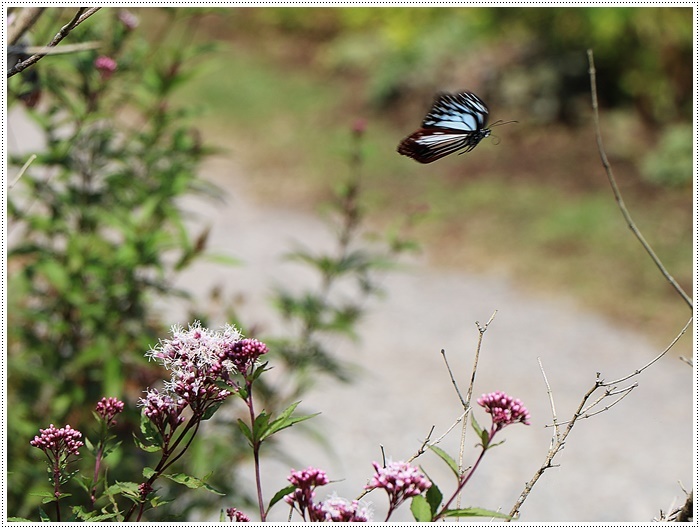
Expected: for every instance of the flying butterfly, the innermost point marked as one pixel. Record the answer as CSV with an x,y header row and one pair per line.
x,y
455,121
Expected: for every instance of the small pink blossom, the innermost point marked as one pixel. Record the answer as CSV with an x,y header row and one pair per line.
x,y
106,66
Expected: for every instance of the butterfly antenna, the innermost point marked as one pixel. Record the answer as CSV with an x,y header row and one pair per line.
x,y
500,122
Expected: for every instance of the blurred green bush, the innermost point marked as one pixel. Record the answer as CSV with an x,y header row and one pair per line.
x,y
643,54
671,163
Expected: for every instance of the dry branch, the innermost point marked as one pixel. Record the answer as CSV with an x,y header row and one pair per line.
x,y
82,14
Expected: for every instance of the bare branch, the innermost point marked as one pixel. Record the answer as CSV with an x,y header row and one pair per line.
x,y
22,171
46,50
482,331
616,191
452,378
83,14
555,437
637,371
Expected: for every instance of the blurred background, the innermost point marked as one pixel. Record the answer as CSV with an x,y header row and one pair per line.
x,y
171,184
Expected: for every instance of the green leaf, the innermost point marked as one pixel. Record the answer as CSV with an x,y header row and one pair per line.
x,y
211,410
245,430
475,512
434,497
260,425
421,509
475,425
484,439
285,420
148,472
146,447
280,494
126,488
447,459
192,482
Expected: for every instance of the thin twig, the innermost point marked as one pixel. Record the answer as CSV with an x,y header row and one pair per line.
x,y
47,50
616,191
467,404
421,449
454,424
452,378
553,451
83,14
22,171
482,331
637,371
555,437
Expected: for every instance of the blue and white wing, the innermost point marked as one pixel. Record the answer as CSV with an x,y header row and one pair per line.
x,y
463,112
455,122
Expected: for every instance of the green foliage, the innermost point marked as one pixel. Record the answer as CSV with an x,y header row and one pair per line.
x,y
671,163
644,55
101,235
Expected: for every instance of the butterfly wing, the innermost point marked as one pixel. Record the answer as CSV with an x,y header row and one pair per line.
x,y
455,121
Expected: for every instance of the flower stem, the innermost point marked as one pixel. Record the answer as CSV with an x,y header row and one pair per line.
x,y
466,478
256,449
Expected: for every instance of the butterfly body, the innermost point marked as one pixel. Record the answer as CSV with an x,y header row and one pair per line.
x,y
455,122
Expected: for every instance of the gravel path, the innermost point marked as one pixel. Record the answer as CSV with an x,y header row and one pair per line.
x,y
622,465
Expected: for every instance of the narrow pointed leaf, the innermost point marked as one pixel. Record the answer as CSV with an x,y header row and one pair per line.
x,y
475,512
245,430
447,459
280,494
278,425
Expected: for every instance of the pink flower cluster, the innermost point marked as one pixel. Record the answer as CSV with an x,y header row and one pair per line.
x,y
244,353
336,509
108,408
58,443
504,410
305,482
400,481
234,515
163,410
333,509
201,361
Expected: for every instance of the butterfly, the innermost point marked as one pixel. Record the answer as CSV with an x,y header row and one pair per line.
x,y
455,121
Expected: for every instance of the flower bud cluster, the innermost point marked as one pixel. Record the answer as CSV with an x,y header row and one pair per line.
x,y
163,410
234,515
504,410
108,408
58,443
333,509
